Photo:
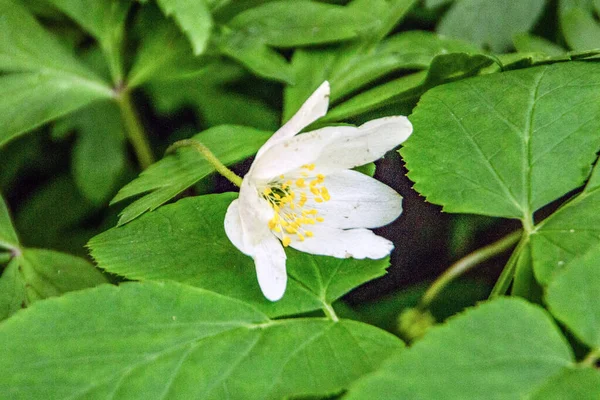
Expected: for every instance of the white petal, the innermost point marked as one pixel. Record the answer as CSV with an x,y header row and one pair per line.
x,y
269,259
234,228
313,108
355,243
255,214
334,148
357,201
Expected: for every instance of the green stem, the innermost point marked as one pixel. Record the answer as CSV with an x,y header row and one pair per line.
x,y
466,263
508,273
330,312
209,156
135,130
591,359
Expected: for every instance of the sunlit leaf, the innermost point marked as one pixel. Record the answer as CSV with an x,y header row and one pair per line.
x,y
579,383
193,17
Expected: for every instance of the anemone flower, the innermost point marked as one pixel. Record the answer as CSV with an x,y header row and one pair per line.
x,y
301,192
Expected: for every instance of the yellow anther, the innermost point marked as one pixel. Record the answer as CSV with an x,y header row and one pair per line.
x,y
312,212
286,241
292,206
284,223
300,237
300,182
281,176
318,199
291,229
310,221
308,233
267,191
276,208
277,229
314,182
321,177
325,194
310,167
272,224
320,219
277,197
304,174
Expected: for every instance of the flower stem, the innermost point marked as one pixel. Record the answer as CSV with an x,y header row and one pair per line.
x,y
330,312
135,130
466,263
209,156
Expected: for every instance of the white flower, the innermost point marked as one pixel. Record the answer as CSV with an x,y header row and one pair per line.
x,y
300,192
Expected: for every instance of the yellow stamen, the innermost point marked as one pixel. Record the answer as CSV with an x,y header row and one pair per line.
x,y
318,199
286,241
300,237
300,182
267,191
320,219
308,233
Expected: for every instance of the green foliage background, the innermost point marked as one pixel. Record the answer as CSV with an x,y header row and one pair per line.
x,y
118,281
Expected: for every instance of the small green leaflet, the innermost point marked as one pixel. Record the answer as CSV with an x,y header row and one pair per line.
x,y
573,297
193,17
176,172
186,242
167,340
506,144
505,348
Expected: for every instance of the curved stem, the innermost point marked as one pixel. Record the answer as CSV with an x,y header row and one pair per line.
x,y
330,312
466,263
209,156
135,130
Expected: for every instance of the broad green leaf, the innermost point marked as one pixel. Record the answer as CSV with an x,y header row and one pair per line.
x,y
186,242
526,43
166,340
99,154
47,82
193,17
30,99
524,283
576,384
580,29
502,349
490,23
36,274
567,233
407,89
301,23
573,295
176,172
105,20
506,144
8,236
12,290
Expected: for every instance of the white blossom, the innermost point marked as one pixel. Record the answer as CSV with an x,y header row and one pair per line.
x,y
301,192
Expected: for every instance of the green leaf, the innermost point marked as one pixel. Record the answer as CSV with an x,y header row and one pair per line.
x,y
573,295
8,236
580,29
193,17
504,348
12,290
314,66
105,20
579,383
546,120
186,242
526,43
490,23
301,23
50,82
168,340
175,173
36,274
567,233
407,89
99,154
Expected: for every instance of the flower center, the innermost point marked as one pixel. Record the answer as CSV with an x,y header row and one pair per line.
x,y
290,199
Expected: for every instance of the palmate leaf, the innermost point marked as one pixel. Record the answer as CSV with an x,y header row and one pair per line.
x,y
175,173
8,236
579,383
506,144
490,23
166,340
573,297
503,349
186,242
47,81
